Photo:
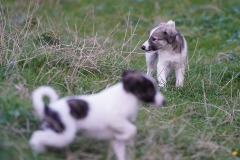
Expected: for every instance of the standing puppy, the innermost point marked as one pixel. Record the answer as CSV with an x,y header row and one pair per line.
x,y
167,45
108,114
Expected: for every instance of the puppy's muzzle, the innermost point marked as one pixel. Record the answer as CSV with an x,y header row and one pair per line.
x,y
146,46
143,47
160,100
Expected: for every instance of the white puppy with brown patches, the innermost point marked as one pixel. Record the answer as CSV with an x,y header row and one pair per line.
x,y
167,45
108,114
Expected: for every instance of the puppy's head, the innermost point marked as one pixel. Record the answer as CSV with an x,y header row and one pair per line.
x,y
162,35
143,87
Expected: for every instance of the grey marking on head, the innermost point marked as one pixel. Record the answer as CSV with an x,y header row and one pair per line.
x,y
164,35
139,85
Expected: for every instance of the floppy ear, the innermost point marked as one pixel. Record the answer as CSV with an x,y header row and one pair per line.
x,y
171,23
178,45
170,34
127,72
129,79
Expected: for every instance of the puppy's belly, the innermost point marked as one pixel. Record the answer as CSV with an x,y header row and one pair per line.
x,y
100,134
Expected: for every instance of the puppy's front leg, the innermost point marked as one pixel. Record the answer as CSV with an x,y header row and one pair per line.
x,y
180,72
124,131
151,58
119,148
163,72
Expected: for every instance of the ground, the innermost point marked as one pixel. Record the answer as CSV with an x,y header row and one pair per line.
x,y
81,47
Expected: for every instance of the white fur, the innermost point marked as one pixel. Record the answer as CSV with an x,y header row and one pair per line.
x,y
167,60
43,91
110,117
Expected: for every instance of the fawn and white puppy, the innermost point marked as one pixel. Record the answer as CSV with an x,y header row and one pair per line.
x,y
107,115
167,45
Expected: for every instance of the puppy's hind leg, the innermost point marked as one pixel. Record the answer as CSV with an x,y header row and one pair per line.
x,y
119,148
151,58
49,138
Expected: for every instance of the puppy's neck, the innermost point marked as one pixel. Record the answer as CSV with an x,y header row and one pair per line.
x,y
118,92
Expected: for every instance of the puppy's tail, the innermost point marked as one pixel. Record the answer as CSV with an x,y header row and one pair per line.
x,y
37,98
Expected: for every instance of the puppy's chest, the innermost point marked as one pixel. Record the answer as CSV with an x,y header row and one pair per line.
x,y
171,57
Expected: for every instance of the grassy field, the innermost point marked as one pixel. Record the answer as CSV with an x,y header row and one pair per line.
x,y
81,47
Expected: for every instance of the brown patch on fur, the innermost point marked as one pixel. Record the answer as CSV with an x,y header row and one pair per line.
x,y
78,108
52,120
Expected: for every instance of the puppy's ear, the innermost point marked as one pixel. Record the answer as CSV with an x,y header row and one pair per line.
x,y
171,23
127,72
178,45
124,73
170,34
131,80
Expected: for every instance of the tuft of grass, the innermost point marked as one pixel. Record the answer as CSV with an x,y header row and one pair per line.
x,y
81,47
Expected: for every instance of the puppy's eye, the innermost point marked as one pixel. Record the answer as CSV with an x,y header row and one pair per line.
x,y
165,33
154,39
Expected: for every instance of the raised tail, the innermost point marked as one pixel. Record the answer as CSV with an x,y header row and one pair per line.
x,y
37,98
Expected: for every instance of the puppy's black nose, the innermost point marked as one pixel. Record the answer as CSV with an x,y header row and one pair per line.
x,y
143,47
164,102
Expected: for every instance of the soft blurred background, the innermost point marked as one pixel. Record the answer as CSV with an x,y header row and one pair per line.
x,y
81,47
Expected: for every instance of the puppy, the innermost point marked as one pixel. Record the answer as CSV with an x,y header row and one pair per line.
x,y
167,45
107,115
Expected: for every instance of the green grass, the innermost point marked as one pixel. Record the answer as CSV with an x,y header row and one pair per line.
x,y
81,47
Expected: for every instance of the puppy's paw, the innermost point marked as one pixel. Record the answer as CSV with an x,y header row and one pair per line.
x,y
35,142
162,86
179,85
